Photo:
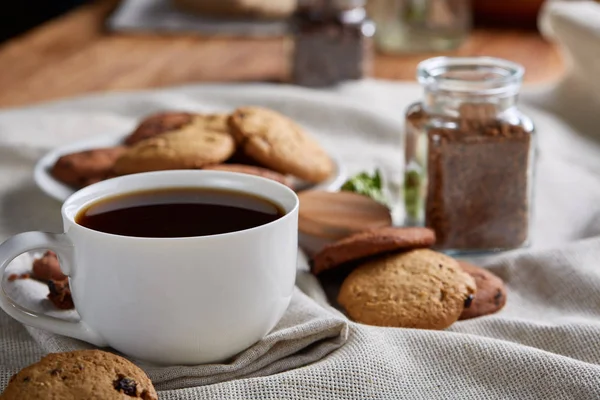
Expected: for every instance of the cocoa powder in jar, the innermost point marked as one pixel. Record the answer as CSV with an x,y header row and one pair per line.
x,y
478,182
332,43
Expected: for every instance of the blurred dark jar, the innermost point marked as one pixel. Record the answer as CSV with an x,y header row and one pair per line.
x,y
507,13
332,42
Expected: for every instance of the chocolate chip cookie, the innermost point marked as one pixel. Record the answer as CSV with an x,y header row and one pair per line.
x,y
491,292
157,124
278,143
203,142
370,243
416,289
84,374
252,170
86,167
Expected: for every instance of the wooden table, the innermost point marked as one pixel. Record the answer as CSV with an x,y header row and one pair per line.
x,y
74,55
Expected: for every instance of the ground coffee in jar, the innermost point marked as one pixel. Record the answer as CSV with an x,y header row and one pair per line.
x,y
469,155
332,42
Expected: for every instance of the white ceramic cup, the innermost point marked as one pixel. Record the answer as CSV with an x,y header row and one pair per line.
x,y
189,300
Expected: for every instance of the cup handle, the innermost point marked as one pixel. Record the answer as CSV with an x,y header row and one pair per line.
x,y
62,246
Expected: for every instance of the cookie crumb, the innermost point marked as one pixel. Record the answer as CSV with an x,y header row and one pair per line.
x,y
60,294
47,268
14,277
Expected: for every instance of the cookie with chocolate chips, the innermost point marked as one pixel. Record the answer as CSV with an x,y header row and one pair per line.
x,y
276,142
491,292
84,374
204,141
371,243
157,124
86,167
417,289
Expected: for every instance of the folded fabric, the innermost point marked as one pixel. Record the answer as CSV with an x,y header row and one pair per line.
x,y
306,333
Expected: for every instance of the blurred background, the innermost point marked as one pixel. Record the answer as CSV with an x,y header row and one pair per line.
x,y
52,49
18,17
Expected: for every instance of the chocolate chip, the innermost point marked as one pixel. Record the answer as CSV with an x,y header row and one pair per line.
x,y
26,379
127,385
56,372
498,297
469,301
441,266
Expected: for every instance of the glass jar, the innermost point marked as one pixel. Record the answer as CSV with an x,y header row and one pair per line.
x,y
332,42
420,25
469,155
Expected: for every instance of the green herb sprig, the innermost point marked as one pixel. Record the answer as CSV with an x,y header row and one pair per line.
x,y
367,185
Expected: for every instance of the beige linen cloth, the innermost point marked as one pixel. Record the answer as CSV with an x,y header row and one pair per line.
x,y
544,344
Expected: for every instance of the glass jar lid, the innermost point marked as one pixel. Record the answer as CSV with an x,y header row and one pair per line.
x,y
473,75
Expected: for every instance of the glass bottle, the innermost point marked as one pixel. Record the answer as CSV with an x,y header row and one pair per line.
x,y
469,155
332,42
420,25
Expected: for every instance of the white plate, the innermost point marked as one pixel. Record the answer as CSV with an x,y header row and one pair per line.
x,y
61,191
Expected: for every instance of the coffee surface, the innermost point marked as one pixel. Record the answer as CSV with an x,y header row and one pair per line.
x,y
178,212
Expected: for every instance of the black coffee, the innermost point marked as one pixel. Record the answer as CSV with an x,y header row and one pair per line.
x,y
178,212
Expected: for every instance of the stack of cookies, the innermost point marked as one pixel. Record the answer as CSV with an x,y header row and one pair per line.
x,y
394,279
251,140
